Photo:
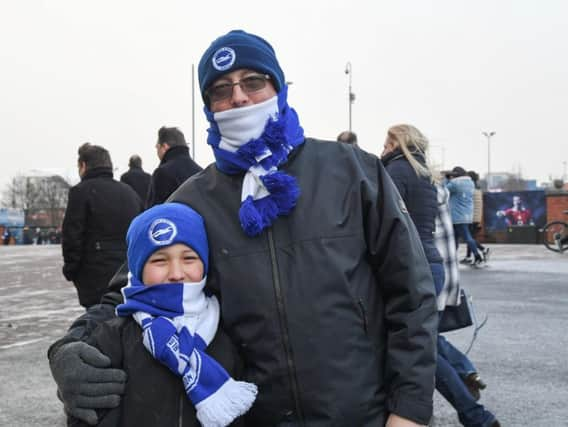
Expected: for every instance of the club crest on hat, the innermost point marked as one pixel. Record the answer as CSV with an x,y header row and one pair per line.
x,y
224,58
162,232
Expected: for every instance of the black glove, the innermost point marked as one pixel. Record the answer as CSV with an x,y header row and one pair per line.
x,y
84,380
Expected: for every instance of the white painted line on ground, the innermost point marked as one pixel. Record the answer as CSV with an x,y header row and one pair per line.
x,y
21,343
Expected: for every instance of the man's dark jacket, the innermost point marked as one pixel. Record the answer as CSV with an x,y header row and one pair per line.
x,y
176,166
138,180
333,307
99,211
420,197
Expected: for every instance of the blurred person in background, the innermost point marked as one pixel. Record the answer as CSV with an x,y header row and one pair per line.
x,y
347,137
137,178
461,188
477,219
98,213
175,165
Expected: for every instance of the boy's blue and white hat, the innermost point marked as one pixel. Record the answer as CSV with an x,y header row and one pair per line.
x,y
165,225
236,50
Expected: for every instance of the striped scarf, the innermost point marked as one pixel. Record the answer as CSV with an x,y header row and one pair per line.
x,y
178,322
257,140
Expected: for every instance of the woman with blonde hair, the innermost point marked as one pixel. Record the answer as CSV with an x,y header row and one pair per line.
x,y
405,159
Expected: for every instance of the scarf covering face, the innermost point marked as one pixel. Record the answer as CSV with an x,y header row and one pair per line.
x,y
178,322
257,140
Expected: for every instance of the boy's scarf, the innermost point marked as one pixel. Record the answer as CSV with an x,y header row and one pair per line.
x,y
257,140
178,322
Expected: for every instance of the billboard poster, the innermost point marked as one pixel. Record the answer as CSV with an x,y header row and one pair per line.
x,y
509,209
13,220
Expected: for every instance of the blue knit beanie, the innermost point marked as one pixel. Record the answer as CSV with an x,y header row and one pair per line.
x,y
236,50
161,226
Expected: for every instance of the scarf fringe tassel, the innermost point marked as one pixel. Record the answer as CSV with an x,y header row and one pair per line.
x,y
232,400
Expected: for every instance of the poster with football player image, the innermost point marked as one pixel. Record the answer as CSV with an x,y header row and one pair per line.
x,y
519,208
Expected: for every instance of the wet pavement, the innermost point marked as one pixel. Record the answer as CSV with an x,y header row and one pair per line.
x,y
521,353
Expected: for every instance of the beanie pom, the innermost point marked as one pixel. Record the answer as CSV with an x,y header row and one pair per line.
x,y
268,210
284,189
250,218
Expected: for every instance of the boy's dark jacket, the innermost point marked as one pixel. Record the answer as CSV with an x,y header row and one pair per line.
x,y
333,307
154,395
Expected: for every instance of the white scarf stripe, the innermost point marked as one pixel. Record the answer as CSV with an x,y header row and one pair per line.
x,y
240,125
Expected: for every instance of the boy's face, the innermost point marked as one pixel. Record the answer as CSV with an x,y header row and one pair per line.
x,y
173,264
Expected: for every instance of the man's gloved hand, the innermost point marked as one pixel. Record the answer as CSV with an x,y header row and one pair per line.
x,y
84,380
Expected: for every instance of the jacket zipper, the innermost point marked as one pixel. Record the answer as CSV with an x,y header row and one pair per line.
x,y
180,415
284,325
364,314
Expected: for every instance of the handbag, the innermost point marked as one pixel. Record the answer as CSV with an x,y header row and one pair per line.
x,y
456,317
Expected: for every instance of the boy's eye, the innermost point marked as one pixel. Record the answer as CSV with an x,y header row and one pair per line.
x,y
157,260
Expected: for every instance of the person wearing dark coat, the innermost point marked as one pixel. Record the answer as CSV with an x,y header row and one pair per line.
x,y
175,165
136,177
99,211
404,157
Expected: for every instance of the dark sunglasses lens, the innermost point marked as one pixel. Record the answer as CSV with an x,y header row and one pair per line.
x,y
220,92
253,83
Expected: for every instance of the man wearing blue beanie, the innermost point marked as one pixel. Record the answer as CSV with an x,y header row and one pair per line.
x,y
322,279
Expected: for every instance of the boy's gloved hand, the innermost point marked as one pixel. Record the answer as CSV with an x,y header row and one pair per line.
x,y
84,380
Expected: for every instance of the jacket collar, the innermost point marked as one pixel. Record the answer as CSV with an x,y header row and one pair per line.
x,y
398,154
101,172
176,151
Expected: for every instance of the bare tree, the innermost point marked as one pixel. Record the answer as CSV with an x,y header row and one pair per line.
x,y
34,193
20,193
53,191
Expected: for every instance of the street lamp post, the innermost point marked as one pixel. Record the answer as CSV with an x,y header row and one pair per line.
x,y
351,98
193,111
488,135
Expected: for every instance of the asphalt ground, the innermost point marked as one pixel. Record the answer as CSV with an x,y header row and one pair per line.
x,y
521,353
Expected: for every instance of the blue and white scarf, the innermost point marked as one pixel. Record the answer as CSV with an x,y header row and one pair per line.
x,y
178,322
257,140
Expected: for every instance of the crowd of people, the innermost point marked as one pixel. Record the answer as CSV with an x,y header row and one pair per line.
x,y
272,288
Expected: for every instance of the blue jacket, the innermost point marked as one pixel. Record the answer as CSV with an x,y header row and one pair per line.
x,y
420,197
461,199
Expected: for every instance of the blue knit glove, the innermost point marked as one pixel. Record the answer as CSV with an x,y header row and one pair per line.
x,y
84,380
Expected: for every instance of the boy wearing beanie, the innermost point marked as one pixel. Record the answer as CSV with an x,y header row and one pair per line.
x,y
166,337
322,278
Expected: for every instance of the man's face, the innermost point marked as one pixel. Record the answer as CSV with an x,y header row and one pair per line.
x,y
82,168
388,147
239,97
161,150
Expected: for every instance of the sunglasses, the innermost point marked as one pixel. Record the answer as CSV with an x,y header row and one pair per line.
x,y
248,85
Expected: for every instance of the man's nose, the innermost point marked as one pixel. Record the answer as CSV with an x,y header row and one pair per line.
x,y
239,96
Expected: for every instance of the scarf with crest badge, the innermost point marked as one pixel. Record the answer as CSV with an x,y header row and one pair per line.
x,y
257,140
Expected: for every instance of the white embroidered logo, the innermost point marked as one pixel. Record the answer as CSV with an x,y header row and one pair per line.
x,y
224,59
162,232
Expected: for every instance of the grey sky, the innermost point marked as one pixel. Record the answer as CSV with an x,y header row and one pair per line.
x,y
113,72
